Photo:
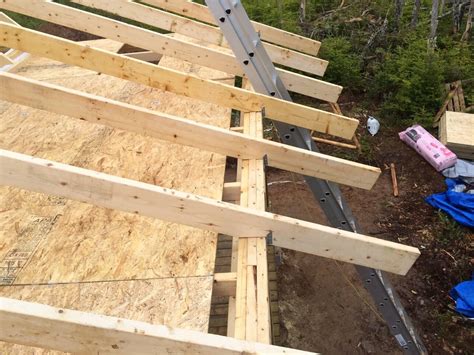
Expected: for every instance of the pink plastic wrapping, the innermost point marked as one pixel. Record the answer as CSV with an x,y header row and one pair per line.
x,y
428,147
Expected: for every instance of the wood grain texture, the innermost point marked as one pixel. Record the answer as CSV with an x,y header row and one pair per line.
x,y
267,33
135,197
114,114
201,31
74,255
174,81
86,333
456,131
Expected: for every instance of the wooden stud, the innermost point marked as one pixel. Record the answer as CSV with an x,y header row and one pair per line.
x,y
126,195
73,53
231,191
162,44
267,33
100,110
224,284
202,32
43,326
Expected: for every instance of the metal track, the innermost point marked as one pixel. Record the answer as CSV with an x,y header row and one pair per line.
x,y
247,46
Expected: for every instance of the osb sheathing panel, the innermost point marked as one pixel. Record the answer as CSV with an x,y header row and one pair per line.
x,y
74,255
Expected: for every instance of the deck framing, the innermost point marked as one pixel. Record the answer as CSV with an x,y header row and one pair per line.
x,y
247,283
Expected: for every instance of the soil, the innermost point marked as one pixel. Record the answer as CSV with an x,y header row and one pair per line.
x,y
324,307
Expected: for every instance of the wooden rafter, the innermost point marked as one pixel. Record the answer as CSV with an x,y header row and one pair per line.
x,y
174,47
73,53
268,33
71,331
126,195
203,32
115,114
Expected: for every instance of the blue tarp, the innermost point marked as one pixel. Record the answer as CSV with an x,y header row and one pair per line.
x,y
463,294
459,205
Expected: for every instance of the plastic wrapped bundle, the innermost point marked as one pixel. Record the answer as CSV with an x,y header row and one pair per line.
x,y
428,147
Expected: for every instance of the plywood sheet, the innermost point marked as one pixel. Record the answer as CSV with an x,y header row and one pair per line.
x,y
457,133
74,255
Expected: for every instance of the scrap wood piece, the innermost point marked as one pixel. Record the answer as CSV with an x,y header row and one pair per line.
x,y
393,173
334,143
453,91
71,331
267,33
73,53
174,46
126,195
178,130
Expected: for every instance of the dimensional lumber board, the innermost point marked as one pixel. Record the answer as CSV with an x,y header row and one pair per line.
x,y
175,47
88,333
175,81
75,255
268,33
252,300
115,114
110,191
201,31
456,131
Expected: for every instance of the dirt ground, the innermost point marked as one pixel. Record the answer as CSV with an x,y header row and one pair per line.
x,y
322,302
323,306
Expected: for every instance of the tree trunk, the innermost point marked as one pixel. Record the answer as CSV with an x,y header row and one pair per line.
x,y
441,8
467,31
416,11
434,24
398,12
302,11
456,15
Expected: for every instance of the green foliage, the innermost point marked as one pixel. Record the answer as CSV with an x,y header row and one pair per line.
x,y
450,230
25,21
408,82
344,65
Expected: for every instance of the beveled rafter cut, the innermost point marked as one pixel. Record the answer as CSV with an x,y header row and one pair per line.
x,y
126,195
71,331
267,33
120,66
165,45
198,42
115,114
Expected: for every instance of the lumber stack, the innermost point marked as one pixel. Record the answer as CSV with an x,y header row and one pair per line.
x,y
456,132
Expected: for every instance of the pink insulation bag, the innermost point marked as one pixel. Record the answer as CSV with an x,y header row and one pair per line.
x,y
428,147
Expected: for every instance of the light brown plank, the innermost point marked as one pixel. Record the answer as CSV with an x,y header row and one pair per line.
x,y
179,83
108,191
177,130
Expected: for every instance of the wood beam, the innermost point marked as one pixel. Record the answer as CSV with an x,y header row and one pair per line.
x,y
224,284
73,53
126,195
201,31
146,56
7,19
4,60
268,33
43,326
231,191
119,115
162,44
